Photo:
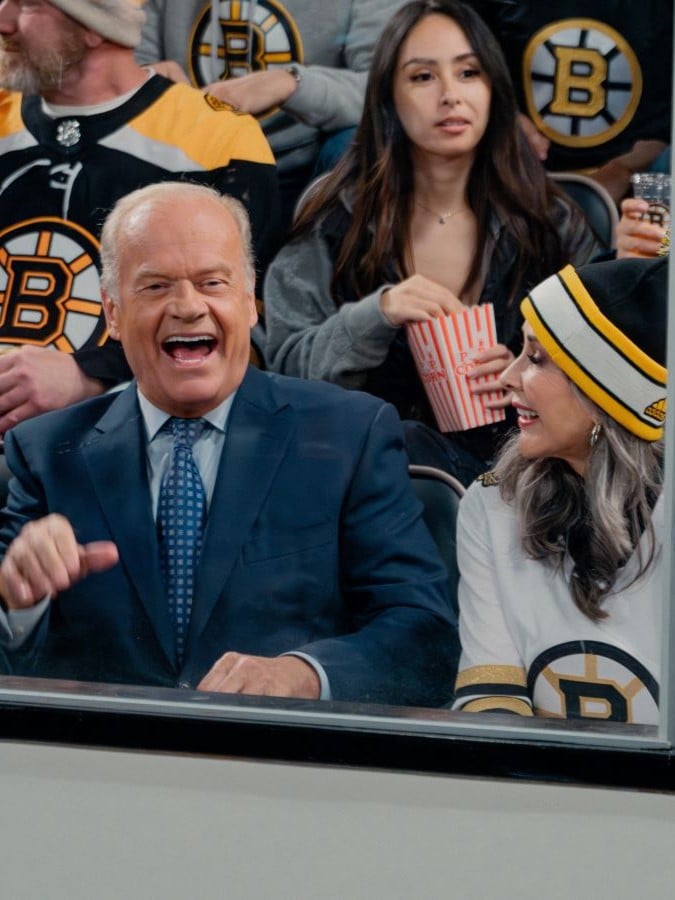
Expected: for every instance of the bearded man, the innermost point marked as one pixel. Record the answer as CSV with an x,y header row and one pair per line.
x,y
81,125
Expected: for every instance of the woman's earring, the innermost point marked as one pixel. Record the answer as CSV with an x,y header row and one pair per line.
x,y
595,434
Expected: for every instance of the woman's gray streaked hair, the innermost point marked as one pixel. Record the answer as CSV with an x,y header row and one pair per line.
x,y
597,519
157,194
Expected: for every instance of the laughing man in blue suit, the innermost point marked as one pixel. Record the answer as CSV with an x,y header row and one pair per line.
x,y
316,577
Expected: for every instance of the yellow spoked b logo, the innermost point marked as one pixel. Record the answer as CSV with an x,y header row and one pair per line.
x,y
249,37
582,82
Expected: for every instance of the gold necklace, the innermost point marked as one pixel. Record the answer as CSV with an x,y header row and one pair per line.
x,y
441,217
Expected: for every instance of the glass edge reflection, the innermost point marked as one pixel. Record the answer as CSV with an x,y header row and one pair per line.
x,y
666,728
413,722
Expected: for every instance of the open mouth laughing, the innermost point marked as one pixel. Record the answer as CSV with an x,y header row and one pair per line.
x,y
189,349
526,416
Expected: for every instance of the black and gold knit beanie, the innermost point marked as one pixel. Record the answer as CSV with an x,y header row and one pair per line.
x,y
604,325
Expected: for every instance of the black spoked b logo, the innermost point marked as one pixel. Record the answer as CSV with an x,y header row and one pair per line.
x,y
49,287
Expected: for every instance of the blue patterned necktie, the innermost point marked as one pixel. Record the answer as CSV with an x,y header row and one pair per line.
x,y
181,515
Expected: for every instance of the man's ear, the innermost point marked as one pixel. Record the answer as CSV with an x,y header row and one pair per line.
x,y
92,40
253,309
111,311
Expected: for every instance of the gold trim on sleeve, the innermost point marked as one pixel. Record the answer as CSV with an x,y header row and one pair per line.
x,y
491,675
492,704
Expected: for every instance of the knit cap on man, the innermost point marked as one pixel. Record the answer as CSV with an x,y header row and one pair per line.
x,y
119,21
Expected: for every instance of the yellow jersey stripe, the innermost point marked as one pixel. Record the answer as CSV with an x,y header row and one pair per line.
x,y
210,137
486,704
491,675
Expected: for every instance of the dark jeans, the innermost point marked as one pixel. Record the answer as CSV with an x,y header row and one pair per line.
x,y
294,182
291,185
4,478
332,149
427,447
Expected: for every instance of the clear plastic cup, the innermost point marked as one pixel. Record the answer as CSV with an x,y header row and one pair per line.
x,y
654,187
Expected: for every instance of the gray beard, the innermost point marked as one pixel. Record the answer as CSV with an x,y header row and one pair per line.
x,y
19,73
23,79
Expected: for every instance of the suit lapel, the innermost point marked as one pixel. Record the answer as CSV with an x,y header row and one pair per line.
x,y
115,458
258,435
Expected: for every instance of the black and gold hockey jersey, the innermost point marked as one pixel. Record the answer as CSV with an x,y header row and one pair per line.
x,y
594,78
59,177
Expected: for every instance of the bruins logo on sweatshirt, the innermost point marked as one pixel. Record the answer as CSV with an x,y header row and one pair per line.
x,y
249,38
582,81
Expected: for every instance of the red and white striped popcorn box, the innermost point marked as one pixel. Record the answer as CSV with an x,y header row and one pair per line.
x,y
443,350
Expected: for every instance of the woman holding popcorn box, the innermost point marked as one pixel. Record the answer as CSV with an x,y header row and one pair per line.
x,y
559,548
440,208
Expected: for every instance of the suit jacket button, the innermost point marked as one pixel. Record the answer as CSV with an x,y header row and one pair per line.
x,y
185,685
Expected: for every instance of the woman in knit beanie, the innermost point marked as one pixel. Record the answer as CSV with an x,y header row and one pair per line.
x,y
560,546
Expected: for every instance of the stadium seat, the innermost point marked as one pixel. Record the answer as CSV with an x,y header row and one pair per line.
x,y
440,493
594,201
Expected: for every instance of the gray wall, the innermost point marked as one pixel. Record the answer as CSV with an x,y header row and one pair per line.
x,y
95,824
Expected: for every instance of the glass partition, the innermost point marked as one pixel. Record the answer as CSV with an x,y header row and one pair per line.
x,y
31,707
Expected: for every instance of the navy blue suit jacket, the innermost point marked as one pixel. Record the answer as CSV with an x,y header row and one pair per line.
x,y
314,543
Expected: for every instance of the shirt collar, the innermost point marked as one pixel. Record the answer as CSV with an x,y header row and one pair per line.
x,y
154,418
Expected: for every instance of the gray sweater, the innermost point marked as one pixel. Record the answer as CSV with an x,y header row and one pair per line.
x,y
310,336
331,43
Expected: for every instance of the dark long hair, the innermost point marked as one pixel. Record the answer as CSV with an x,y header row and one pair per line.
x,y
506,177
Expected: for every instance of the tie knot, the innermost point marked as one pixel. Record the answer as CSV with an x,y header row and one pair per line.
x,y
186,431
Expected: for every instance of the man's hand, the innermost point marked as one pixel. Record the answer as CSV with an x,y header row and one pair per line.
x,y
45,558
279,676
418,299
615,174
255,93
36,379
538,141
636,236
169,69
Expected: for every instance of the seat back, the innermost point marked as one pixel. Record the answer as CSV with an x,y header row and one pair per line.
x,y
308,192
440,493
595,202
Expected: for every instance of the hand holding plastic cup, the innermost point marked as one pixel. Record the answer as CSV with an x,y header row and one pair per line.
x,y
654,187
444,350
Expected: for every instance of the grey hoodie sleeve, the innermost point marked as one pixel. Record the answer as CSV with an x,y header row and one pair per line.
x,y
332,98
330,93
307,334
151,48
